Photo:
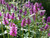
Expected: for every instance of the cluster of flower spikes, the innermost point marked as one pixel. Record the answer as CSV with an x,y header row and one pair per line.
x,y
7,6
13,28
32,9
7,16
24,22
47,26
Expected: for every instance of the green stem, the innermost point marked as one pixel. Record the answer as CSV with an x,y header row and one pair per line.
x,y
11,36
35,31
22,34
40,34
34,35
29,30
7,34
2,31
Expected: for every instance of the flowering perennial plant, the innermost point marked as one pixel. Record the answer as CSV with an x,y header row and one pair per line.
x,y
26,21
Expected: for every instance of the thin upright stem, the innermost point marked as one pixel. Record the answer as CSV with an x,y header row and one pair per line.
x,y
23,34
29,30
2,30
7,34
35,31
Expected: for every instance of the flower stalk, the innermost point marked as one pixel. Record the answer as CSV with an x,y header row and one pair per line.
x,y
29,30
2,30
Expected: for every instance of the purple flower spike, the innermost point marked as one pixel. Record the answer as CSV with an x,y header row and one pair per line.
x,y
31,11
42,7
9,8
34,9
12,16
13,30
12,5
15,8
41,29
36,4
19,17
49,33
2,1
8,15
4,15
15,18
28,21
42,13
25,13
20,11
40,4
48,19
7,5
29,4
23,23
3,10
10,24
5,21
46,27
0,14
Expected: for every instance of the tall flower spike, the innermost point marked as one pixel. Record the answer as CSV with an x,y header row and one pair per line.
x,y
36,8
19,17
4,15
9,8
41,29
12,16
8,15
40,4
5,21
42,13
42,7
46,27
7,5
13,30
20,11
29,4
10,24
49,33
25,13
15,8
0,14
2,1
28,21
3,10
31,11
48,19
12,5
23,23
